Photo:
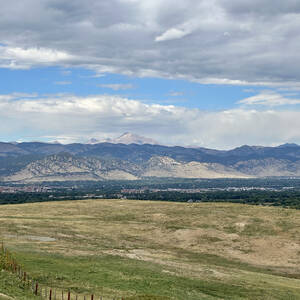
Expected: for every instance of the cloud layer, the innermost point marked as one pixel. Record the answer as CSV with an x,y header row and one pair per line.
x,y
68,118
209,41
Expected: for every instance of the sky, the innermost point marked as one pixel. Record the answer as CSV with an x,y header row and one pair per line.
x,y
209,73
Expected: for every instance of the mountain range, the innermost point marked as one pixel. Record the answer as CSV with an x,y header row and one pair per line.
x,y
36,161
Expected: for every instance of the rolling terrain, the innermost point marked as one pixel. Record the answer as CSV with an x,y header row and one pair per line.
x,y
157,250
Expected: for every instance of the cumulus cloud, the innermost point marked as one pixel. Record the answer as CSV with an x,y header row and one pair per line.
x,y
21,58
68,118
213,41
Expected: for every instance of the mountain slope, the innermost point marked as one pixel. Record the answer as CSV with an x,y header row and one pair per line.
x,y
168,167
42,161
65,167
268,167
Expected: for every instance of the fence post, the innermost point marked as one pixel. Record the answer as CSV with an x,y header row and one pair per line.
x,y
92,297
36,288
62,295
50,294
69,295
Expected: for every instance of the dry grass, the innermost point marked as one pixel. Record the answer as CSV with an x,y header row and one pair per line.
x,y
227,242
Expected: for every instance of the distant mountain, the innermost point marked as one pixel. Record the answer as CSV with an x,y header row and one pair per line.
x,y
62,167
159,166
93,141
65,167
126,138
289,145
50,162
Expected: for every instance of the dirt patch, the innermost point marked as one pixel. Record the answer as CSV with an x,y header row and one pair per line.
x,y
32,238
269,252
241,225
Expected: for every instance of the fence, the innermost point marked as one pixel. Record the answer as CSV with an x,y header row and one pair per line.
x,y
8,263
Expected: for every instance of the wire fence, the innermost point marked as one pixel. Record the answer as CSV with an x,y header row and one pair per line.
x,y
9,263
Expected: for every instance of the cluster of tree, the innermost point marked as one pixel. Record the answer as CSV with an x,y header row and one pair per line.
x,y
184,183
114,189
256,197
289,199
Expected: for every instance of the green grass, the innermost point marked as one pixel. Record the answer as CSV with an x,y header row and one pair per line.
x,y
11,286
105,274
118,276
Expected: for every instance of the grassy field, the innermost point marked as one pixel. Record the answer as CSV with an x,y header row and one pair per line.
x,y
157,250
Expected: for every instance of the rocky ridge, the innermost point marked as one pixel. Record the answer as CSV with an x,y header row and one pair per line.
x,y
23,162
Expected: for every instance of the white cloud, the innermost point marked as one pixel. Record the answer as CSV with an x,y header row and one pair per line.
x,y
117,86
35,54
172,34
21,58
269,98
68,118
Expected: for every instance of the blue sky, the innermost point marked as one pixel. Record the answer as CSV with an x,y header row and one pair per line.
x,y
216,74
83,82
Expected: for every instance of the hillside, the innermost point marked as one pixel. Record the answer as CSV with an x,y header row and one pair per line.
x,y
11,289
27,162
62,167
157,249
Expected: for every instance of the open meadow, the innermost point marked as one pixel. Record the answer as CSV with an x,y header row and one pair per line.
x,y
156,250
